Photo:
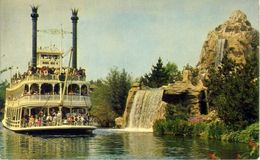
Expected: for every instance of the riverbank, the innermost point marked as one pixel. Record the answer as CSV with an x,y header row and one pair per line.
x,y
216,130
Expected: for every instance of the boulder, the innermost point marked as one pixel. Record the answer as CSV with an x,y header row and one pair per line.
x,y
119,121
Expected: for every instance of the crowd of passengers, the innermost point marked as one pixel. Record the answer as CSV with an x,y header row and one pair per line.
x,y
46,71
55,119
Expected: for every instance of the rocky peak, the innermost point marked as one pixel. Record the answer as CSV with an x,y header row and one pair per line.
x,y
235,37
238,16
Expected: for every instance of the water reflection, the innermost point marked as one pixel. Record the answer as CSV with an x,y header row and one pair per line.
x,y
111,144
19,146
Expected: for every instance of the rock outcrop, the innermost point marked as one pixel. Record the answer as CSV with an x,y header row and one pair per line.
x,y
179,92
236,37
184,92
129,102
119,121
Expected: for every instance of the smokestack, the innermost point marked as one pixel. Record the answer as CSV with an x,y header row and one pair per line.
x,y
34,16
74,19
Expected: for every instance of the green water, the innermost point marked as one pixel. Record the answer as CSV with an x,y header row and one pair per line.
x,y
112,144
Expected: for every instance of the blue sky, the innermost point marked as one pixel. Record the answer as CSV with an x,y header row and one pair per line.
x,y
130,34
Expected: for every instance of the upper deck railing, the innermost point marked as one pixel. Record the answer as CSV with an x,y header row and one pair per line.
x,y
46,73
50,100
36,77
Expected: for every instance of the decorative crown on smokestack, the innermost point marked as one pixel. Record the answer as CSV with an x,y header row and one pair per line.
x,y
74,19
34,16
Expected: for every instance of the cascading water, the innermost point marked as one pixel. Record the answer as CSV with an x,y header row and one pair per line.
x,y
145,109
220,50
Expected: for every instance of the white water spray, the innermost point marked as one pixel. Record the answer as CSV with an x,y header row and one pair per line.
x,y
145,109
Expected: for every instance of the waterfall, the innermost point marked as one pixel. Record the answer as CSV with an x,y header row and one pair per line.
x,y
145,109
220,50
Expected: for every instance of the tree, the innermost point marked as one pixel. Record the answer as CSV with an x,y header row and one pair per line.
x,y
174,73
101,109
109,96
233,91
161,75
3,86
118,84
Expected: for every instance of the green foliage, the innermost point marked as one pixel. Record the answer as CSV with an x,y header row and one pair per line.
x,y
118,84
3,86
233,91
161,75
199,129
175,127
216,129
159,126
173,72
176,111
250,133
101,109
109,97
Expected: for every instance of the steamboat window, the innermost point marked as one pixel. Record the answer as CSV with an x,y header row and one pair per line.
x,y
46,88
57,89
73,89
84,90
34,88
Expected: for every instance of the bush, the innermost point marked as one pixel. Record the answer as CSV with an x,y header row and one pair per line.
x,y
159,126
250,133
199,128
175,127
216,129
182,127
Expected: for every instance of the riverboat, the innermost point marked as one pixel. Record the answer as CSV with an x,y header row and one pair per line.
x,y
49,98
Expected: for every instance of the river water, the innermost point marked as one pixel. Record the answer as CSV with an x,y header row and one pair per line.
x,y
112,144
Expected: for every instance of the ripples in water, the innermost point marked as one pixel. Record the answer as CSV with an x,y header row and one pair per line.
x,y
111,144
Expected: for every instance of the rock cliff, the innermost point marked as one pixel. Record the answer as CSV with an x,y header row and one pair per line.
x,y
129,102
236,37
176,93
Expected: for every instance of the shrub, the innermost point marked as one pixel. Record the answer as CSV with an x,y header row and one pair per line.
x,y
216,129
159,126
175,127
248,134
199,128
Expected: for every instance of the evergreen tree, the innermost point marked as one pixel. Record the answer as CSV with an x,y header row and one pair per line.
x,y
233,91
118,84
160,75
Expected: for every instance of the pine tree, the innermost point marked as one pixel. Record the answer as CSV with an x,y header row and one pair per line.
x,y
233,91
159,76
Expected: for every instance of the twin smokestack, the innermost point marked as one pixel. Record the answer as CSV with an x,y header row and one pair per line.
x,y
74,19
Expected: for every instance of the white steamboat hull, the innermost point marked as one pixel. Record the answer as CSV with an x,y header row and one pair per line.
x,y
61,129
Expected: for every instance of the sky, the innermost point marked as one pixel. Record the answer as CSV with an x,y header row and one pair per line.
x,y
129,34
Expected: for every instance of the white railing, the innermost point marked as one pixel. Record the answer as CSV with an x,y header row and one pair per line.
x,y
36,77
47,100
